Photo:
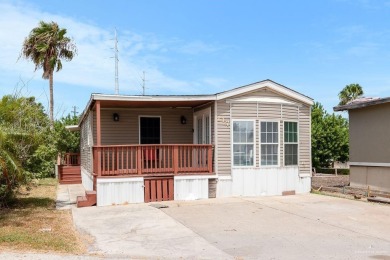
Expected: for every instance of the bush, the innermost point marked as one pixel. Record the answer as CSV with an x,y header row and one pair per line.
x,y
332,171
42,161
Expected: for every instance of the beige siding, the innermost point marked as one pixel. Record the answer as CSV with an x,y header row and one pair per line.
x,y
86,143
378,178
290,112
264,92
262,111
369,134
247,110
223,138
304,140
126,130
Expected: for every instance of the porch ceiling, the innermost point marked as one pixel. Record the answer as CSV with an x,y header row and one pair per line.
x,y
151,104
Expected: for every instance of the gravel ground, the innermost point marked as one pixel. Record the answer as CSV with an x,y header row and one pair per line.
x,y
329,180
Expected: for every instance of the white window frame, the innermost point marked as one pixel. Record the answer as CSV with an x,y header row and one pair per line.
x,y
232,143
202,114
260,143
284,144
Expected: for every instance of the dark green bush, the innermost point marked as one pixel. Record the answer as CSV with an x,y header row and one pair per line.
x,y
332,171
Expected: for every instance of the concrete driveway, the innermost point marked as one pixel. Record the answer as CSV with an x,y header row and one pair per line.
x,y
293,227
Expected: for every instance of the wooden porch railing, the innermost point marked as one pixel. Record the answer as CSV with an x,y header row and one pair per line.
x,y
110,160
69,159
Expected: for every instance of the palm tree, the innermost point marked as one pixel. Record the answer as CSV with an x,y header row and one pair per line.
x,y
46,45
349,93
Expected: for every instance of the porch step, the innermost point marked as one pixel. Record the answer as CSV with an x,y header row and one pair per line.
x,y
88,200
71,181
69,174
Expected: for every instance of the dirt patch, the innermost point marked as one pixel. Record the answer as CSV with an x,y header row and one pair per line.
x,y
31,222
329,180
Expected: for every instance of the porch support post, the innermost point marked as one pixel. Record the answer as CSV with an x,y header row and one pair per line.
x,y
98,124
59,159
175,159
210,158
139,160
98,139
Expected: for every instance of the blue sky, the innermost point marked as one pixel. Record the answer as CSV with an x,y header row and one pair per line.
x,y
202,47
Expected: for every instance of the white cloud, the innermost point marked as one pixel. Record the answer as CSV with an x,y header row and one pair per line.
x,y
93,67
197,47
363,49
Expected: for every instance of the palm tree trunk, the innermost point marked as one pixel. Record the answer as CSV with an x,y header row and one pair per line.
x,y
51,116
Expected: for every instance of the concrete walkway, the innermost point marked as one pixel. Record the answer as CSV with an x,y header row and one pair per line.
x,y
141,232
293,227
67,195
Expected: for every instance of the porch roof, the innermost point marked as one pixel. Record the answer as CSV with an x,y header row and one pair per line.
x,y
109,101
187,101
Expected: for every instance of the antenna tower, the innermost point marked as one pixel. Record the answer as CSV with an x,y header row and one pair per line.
x,y
116,64
143,84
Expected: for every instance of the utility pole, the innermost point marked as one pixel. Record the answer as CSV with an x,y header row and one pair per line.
x,y
116,64
74,111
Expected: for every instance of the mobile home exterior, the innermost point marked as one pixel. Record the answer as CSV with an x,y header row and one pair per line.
x,y
369,142
249,141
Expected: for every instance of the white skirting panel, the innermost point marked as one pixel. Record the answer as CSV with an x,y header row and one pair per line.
x,y
114,191
304,185
86,179
191,187
224,186
268,181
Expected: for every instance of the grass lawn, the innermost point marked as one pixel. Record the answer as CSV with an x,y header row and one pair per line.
x,y
32,223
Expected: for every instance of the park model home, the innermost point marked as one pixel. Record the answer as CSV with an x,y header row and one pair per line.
x,y
249,141
369,142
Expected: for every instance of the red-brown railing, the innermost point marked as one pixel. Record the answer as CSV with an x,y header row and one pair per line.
x,y
151,159
69,159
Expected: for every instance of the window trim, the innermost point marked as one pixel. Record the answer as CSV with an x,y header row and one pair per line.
x,y
203,113
284,144
232,143
260,143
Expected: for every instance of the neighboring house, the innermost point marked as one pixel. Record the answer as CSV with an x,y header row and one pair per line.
x,y
249,141
369,142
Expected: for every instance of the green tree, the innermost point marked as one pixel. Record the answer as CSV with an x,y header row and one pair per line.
x,y
349,93
11,172
28,145
24,115
67,141
35,147
46,46
330,137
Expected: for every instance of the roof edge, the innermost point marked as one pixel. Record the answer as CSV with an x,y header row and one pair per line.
x,y
266,83
361,104
212,97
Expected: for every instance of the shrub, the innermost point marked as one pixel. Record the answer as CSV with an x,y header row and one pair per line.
x,y
332,171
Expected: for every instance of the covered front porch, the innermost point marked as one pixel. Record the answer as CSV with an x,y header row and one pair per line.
x,y
137,149
151,138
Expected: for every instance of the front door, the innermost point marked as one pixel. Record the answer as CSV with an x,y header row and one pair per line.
x,y
150,130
